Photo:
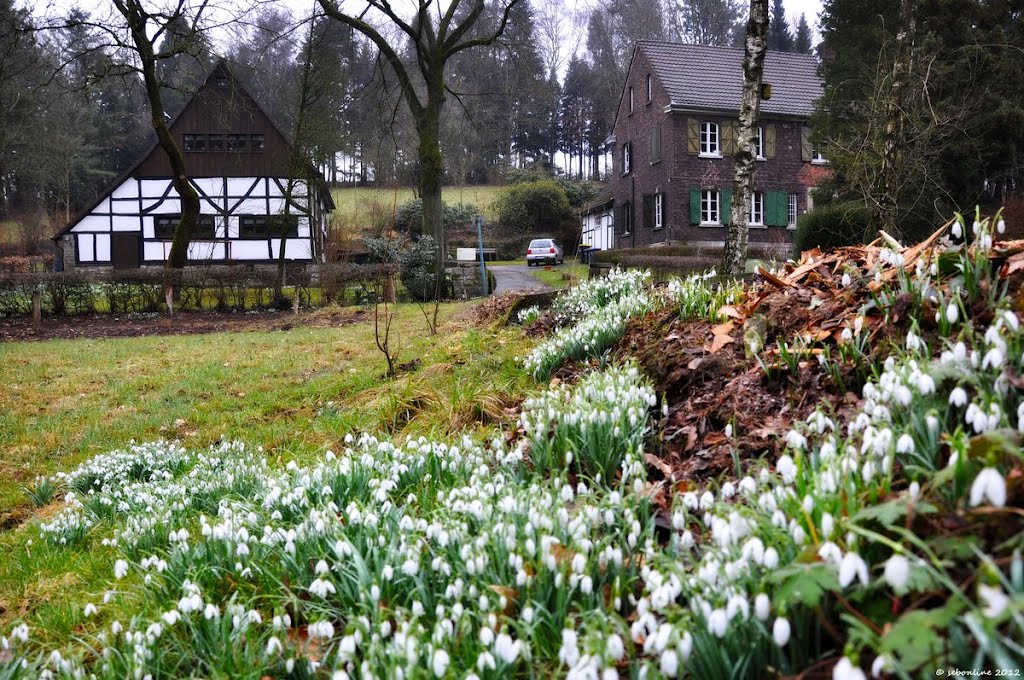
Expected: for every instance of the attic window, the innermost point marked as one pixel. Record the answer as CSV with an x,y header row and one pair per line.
x,y
238,143
216,143
195,143
256,142
650,88
221,80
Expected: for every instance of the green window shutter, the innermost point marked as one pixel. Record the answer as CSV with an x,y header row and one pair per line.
x,y
776,208
728,138
769,141
648,211
692,136
726,211
805,143
656,143
694,205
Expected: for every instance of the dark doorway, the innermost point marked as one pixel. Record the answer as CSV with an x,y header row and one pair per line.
x,y
124,250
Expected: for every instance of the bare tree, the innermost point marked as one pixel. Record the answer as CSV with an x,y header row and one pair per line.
x,y
704,22
894,133
434,40
755,45
146,26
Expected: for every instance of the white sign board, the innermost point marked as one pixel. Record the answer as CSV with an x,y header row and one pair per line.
x,y
466,254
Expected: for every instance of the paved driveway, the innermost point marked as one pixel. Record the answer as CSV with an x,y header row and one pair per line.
x,y
515,277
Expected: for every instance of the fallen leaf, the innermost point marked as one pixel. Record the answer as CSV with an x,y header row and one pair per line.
x,y
658,464
722,337
694,363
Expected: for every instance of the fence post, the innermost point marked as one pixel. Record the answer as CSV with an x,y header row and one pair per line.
x,y
37,309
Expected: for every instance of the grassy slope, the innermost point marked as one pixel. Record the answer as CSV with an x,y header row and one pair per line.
x,y
360,200
66,401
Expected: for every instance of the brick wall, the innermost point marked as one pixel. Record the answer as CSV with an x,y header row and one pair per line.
x,y
678,171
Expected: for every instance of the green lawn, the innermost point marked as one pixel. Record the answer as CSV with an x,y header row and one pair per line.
x,y
296,393
563,275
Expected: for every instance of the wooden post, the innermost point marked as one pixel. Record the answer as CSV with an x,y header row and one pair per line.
x,y
169,299
37,310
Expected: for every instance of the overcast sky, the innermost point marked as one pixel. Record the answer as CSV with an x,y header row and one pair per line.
x,y
794,8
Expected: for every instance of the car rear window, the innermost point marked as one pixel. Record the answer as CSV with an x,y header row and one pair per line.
x,y
539,244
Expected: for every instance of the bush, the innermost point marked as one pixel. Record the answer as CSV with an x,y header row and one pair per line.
x,y
409,215
827,227
538,208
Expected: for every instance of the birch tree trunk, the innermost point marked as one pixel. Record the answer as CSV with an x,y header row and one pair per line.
x,y
755,45
893,138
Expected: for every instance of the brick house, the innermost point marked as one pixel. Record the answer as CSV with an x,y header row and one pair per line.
x,y
675,133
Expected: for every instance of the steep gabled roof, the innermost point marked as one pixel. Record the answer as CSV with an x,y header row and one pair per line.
x,y
703,77
221,66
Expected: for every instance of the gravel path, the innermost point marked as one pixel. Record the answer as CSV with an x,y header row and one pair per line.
x,y
516,277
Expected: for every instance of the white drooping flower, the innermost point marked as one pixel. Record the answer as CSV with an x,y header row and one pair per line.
x,y
897,570
845,670
994,599
669,663
762,607
569,653
880,665
781,631
787,468
718,622
439,662
120,569
952,313
957,230
991,485
90,610
321,629
506,649
852,567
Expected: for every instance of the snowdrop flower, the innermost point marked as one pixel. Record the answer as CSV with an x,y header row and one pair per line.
x,y
786,468
668,663
991,485
897,570
795,440
274,646
880,665
322,568
846,281
905,444
20,633
1001,226
569,653
958,397
322,588
762,607
952,313
614,647
781,631
957,230
321,629
771,558
90,610
994,599
211,612
120,569
852,567
506,649
845,670
718,622
439,662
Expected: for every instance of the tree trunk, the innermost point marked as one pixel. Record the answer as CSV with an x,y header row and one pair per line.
x,y
892,141
178,256
428,128
755,45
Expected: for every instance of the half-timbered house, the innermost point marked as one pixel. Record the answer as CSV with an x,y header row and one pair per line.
x,y
241,164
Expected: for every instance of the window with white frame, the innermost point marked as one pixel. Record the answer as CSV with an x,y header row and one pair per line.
x,y
757,209
650,88
709,207
627,158
818,157
659,210
791,212
709,139
759,148
631,99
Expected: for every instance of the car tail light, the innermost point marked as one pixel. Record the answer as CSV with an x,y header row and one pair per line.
x,y
529,251
552,250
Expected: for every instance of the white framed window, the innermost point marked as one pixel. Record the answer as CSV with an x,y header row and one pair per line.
x,y
650,88
709,204
759,143
757,209
709,140
659,210
631,99
791,212
627,158
818,157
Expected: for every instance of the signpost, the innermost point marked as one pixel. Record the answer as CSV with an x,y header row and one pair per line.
x,y
480,241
